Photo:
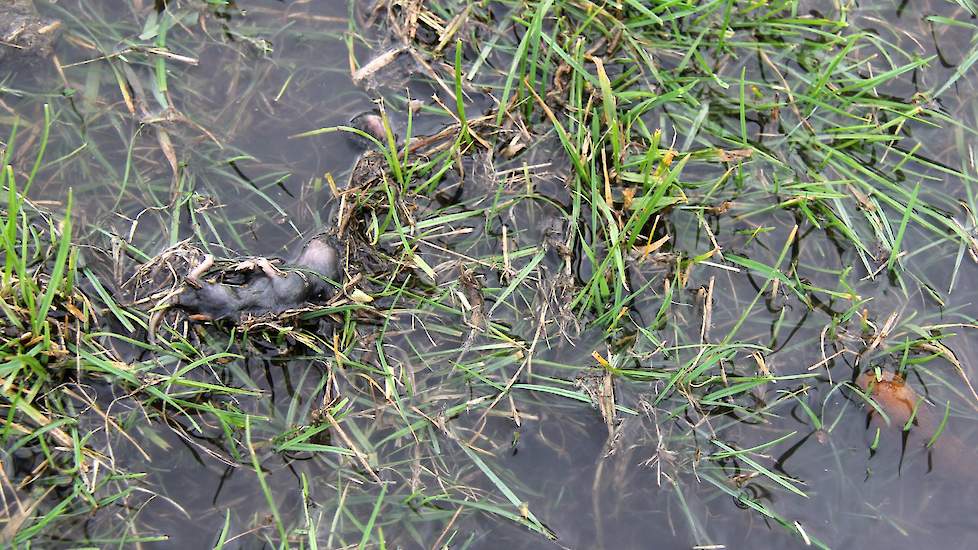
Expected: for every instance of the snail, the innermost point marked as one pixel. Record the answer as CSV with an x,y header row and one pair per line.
x,y
900,403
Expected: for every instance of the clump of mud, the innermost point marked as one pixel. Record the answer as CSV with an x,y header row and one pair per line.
x,y
24,30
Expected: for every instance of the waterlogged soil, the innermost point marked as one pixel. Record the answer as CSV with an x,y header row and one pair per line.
x,y
215,159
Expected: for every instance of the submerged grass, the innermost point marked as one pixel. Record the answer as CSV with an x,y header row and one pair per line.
x,y
657,229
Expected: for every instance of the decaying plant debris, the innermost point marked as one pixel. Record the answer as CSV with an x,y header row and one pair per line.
x,y
596,273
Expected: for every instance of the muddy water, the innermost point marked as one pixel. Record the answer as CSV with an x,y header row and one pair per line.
x,y
265,71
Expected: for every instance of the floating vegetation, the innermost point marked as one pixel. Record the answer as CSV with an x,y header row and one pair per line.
x,y
453,274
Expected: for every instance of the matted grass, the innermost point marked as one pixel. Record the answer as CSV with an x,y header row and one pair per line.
x,y
650,245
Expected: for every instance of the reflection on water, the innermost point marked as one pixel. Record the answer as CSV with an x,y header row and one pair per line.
x,y
214,158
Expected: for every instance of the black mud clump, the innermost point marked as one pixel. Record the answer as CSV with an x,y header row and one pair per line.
x,y
24,31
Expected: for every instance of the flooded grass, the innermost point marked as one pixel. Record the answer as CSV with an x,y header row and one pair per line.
x,y
606,273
